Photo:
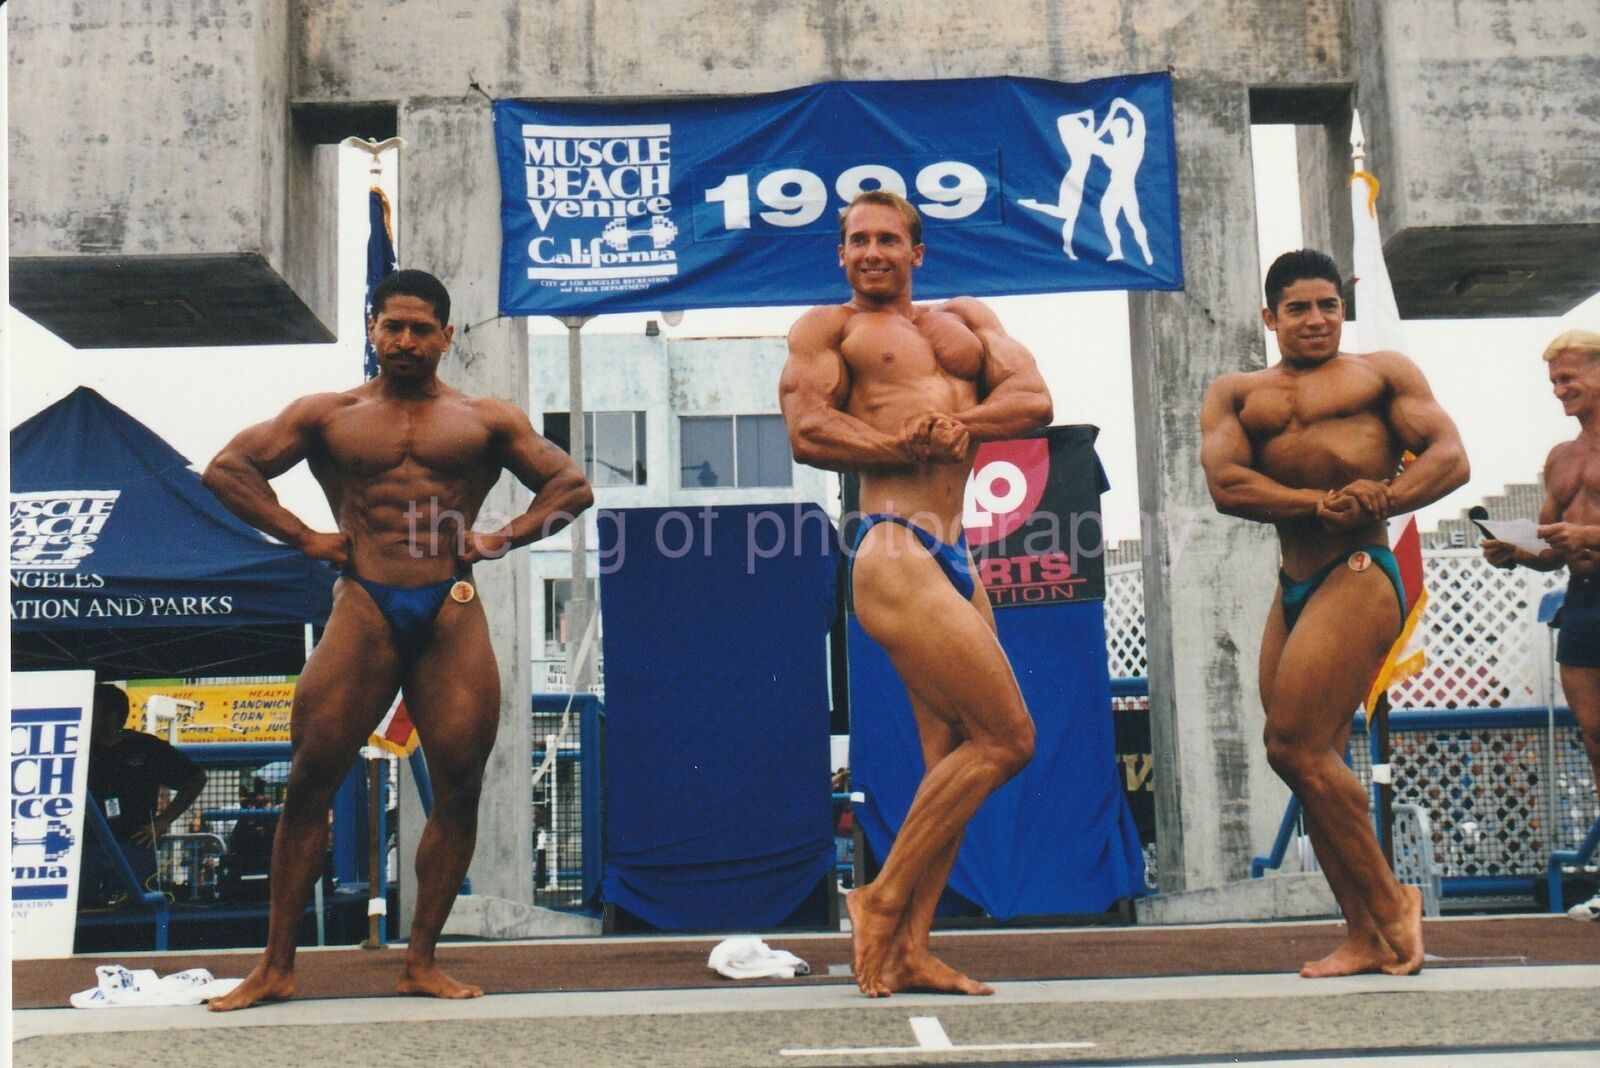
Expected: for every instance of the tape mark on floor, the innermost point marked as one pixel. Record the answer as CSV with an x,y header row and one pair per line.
x,y
930,1035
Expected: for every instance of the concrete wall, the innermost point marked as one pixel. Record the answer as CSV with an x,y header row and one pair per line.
x,y
1481,118
449,186
141,133
1208,579
367,49
161,126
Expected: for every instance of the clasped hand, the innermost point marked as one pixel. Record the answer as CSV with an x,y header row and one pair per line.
x,y
1361,502
934,437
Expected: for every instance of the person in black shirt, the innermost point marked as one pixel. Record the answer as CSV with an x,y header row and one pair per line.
x,y
127,770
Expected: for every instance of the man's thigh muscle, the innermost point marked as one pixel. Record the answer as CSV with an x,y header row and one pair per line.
x,y
1333,653
453,688
942,646
351,677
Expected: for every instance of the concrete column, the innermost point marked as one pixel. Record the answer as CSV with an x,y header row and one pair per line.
x,y
1208,579
450,226
1324,155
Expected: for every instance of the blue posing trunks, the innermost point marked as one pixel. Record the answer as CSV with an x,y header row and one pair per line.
x,y
952,559
1296,594
1579,620
410,610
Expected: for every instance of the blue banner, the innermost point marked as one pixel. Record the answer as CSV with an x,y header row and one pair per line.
x,y
1025,186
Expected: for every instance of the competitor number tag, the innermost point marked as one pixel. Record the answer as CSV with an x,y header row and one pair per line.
x,y
1359,561
462,592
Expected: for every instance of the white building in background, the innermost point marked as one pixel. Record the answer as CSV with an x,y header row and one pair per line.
x,y
669,422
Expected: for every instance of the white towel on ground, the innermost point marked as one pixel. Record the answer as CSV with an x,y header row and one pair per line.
x,y
118,987
748,957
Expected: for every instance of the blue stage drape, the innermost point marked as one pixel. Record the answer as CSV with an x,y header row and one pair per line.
x,y
1058,838
718,809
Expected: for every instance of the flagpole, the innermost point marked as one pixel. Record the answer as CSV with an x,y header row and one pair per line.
x,y
579,668
1379,749
377,877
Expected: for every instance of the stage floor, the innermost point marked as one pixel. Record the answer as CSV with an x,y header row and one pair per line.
x,y
1501,991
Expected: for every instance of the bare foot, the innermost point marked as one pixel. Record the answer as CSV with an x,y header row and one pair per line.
x,y
1359,955
1405,935
426,980
262,984
871,937
924,972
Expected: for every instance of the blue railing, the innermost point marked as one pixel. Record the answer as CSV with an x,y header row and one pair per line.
x,y
1499,778
588,713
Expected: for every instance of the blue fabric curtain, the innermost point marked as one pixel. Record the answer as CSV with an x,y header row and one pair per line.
x,y
718,807
1058,838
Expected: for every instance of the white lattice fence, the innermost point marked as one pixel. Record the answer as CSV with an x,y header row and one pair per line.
x,y
1485,649
1125,620
1496,806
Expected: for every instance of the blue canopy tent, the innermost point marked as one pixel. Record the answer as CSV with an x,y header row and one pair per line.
x,y
121,561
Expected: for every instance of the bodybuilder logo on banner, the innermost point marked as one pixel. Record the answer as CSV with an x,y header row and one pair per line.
x,y
54,530
1118,143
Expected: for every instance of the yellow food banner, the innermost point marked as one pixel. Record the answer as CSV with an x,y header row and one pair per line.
x,y
225,713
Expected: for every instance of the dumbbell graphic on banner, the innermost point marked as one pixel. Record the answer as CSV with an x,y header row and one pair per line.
x,y
616,235
56,840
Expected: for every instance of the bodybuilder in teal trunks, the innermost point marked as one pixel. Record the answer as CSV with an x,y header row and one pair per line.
x,y
1311,445
903,393
405,462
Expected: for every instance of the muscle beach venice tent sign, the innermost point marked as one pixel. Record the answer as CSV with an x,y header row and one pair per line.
x,y
110,528
1025,186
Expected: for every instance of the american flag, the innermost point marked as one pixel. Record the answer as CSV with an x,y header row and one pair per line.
x,y
396,734
381,263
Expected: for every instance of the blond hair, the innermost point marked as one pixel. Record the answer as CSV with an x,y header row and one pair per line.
x,y
1585,343
887,198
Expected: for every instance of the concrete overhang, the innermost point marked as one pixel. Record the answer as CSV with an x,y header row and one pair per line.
x,y
1485,272
101,302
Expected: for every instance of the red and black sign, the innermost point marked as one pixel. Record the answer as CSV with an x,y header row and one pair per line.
x,y
1032,518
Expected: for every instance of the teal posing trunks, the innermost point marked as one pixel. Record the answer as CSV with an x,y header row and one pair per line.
x,y
1296,594
952,559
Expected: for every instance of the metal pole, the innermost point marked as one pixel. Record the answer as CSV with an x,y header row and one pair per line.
x,y
580,676
375,868
552,849
316,890
1386,786
1552,834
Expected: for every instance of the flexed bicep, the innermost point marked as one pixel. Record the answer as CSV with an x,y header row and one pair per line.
x,y
1425,429
1013,396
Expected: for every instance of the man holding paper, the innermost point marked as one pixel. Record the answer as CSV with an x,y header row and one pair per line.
x,y
1569,524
